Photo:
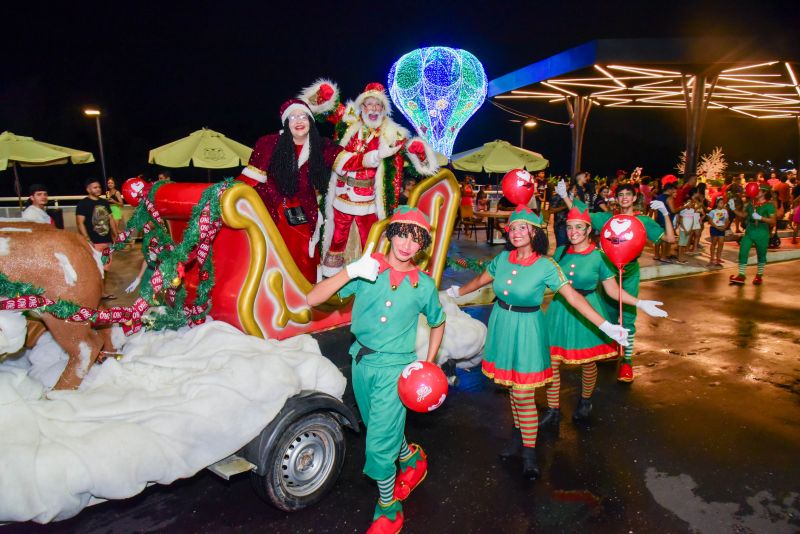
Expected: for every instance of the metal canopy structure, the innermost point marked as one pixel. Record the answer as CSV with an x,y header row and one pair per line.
x,y
690,74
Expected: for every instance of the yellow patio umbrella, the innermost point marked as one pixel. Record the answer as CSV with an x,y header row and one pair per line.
x,y
205,149
19,150
499,156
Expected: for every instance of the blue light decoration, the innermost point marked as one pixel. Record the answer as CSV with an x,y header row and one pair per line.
x,y
438,89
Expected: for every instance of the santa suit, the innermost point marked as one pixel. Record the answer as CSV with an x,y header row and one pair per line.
x,y
298,237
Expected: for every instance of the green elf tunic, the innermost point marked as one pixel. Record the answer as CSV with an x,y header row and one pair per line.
x,y
756,233
573,338
630,274
517,351
385,316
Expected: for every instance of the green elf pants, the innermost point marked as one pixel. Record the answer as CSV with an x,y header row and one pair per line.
x,y
758,236
375,387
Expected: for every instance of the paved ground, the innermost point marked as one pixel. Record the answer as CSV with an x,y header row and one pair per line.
x,y
705,440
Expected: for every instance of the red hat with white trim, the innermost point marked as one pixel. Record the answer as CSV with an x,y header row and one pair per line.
x,y
374,90
295,105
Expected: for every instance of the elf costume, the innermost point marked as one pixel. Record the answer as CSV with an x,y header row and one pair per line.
x,y
517,350
630,283
574,340
756,233
367,176
385,315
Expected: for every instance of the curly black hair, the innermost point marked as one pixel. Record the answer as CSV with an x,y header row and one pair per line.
x,y
539,241
283,164
420,236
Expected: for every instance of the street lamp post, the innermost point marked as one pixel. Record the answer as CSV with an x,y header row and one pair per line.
x,y
522,126
96,114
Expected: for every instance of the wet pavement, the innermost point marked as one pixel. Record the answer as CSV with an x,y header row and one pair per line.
x,y
706,439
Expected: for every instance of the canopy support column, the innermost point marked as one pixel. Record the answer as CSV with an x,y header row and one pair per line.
x,y
578,108
696,98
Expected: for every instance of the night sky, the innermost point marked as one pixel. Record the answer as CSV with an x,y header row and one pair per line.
x,y
160,71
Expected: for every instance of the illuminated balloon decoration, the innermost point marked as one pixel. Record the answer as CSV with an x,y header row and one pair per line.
x,y
438,89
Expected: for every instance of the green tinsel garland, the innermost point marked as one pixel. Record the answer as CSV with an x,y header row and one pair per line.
x,y
464,264
62,309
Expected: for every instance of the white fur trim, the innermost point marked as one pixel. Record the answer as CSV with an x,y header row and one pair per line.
x,y
380,95
303,157
428,167
308,95
354,208
252,172
293,108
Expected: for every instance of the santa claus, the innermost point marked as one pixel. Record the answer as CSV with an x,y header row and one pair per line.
x,y
367,176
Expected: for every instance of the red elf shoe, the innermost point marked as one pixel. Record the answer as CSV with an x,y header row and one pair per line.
x,y
625,373
737,279
387,519
757,281
413,471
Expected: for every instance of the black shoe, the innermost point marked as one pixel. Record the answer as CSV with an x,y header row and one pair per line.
x,y
514,445
550,416
583,410
529,467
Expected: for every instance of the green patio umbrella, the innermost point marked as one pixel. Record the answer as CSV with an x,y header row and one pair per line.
x,y
19,150
499,156
205,149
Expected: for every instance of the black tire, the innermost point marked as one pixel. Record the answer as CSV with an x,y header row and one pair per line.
x,y
305,463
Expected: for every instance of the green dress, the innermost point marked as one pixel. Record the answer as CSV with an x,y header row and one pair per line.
x,y
573,338
630,274
517,351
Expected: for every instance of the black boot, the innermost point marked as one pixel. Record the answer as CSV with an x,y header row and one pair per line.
x,y
549,416
583,410
529,467
514,445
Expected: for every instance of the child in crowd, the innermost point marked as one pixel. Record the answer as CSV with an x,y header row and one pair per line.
x,y
685,220
697,202
720,221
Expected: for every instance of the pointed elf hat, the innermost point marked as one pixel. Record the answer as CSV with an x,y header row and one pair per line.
x,y
524,213
409,215
374,90
579,212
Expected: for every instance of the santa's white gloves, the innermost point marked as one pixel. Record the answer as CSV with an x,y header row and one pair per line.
x,y
615,332
651,308
659,206
452,291
732,204
561,189
131,288
312,243
365,267
756,216
388,151
371,159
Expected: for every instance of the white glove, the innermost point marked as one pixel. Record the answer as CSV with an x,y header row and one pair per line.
x,y
371,159
658,205
131,288
452,291
756,216
651,308
615,332
388,151
312,244
365,267
732,204
561,189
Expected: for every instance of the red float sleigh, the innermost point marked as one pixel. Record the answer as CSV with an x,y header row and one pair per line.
x,y
259,288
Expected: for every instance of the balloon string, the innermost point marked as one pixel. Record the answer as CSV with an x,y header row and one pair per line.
x,y
619,347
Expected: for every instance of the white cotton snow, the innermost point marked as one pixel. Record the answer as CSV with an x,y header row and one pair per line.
x,y
14,229
70,276
118,337
13,329
5,246
176,403
464,336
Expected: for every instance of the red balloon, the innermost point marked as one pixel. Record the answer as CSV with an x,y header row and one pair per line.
x,y
622,239
518,186
135,188
422,386
751,189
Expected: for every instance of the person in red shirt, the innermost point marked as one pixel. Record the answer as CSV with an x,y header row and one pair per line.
x,y
683,191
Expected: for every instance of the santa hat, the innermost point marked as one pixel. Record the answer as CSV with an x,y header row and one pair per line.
x,y
374,90
524,213
579,212
408,215
295,105
668,179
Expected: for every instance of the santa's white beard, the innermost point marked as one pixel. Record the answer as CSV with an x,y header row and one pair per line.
x,y
365,118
